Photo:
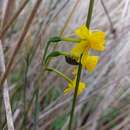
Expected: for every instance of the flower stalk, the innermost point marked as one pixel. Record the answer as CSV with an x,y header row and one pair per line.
x,y
59,73
91,5
79,56
68,39
90,11
75,94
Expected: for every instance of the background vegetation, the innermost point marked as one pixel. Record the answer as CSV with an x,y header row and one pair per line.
x,y
29,24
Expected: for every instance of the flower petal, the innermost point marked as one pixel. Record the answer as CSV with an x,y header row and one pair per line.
x,y
79,48
82,32
89,62
71,87
67,90
81,88
97,41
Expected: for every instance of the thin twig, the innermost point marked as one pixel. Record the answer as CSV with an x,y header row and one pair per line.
x,y
6,13
6,97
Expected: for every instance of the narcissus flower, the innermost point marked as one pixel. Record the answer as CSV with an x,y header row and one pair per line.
x,y
71,86
88,40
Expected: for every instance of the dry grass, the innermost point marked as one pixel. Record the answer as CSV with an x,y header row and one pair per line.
x,y
105,103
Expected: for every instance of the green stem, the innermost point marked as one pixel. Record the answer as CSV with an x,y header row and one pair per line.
x,y
90,11
25,90
91,5
36,113
45,52
68,39
59,39
75,94
59,73
55,54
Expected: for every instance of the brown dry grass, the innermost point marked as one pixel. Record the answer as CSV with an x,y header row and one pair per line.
x,y
105,103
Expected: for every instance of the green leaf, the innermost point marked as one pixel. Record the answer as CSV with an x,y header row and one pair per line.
x,y
55,54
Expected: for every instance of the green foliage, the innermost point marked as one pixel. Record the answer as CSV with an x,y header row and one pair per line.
x,y
59,122
110,114
52,96
16,95
15,77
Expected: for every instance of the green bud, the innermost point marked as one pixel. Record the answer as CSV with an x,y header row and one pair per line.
x,y
55,54
55,39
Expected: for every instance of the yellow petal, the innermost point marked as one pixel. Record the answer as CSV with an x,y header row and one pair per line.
x,y
89,62
82,32
81,88
97,41
71,87
67,90
79,48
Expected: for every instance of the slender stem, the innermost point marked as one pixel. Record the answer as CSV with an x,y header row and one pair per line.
x,y
62,39
28,107
27,58
45,52
91,5
67,39
59,73
75,94
90,11
55,54
24,101
36,113
1,115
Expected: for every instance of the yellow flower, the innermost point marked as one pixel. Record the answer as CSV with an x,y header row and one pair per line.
x,y
71,86
88,40
89,62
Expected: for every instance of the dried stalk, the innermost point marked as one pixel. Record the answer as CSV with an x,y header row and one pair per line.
x,y
6,97
20,41
10,22
6,13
